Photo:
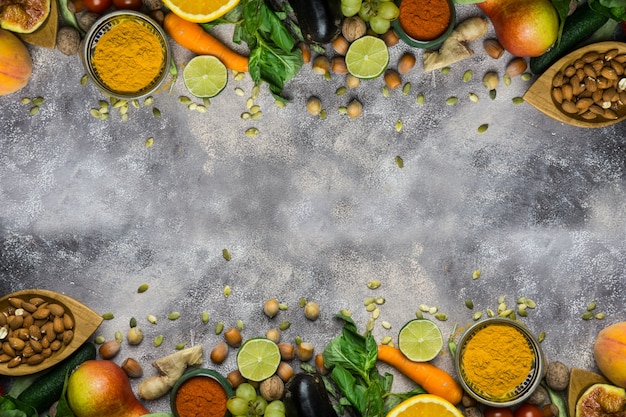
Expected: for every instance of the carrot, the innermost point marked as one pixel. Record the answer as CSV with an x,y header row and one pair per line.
x,y
434,380
193,37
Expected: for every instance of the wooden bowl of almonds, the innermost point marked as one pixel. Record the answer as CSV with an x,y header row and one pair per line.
x,y
586,88
40,328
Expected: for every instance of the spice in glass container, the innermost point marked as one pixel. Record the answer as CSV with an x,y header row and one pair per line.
x,y
497,359
424,20
201,396
128,57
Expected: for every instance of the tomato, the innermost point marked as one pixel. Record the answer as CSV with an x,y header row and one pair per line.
x,y
528,410
97,6
127,4
498,412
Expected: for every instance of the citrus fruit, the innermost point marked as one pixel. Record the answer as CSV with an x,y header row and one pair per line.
x,y
258,359
420,340
425,405
367,57
205,76
23,16
200,11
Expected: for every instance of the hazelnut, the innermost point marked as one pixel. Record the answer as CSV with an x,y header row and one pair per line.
x,y
493,48
516,67
311,310
134,336
284,371
219,353
287,351
305,351
233,337
271,307
109,349
132,368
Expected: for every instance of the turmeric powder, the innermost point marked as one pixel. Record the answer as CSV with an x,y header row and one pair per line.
x,y
128,57
497,359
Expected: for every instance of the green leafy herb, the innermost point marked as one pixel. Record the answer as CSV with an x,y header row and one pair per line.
x,y
274,57
12,407
613,9
352,358
562,8
63,408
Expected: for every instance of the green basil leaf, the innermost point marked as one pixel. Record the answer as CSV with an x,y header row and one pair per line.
x,y
562,8
12,407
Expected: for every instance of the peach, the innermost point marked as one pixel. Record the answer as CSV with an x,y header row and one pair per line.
x,y
609,352
16,65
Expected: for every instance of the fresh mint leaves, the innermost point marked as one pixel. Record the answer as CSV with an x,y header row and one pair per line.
x,y
613,9
352,358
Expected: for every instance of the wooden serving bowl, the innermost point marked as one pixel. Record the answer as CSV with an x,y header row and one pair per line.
x,y
86,321
579,381
539,95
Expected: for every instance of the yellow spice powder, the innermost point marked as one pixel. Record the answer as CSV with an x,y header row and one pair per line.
x,y
128,57
497,359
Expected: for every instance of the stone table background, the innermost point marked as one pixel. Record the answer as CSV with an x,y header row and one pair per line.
x,y
312,208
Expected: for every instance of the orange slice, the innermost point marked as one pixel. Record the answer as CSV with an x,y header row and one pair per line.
x,y
425,405
200,11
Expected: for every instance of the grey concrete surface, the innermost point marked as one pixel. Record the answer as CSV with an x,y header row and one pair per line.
x,y
312,208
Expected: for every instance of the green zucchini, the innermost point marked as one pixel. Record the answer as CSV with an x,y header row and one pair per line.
x,y
578,27
47,388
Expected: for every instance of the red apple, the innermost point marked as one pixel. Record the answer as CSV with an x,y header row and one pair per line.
x,y
101,388
524,28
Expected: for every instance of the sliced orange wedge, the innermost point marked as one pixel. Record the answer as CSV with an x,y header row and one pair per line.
x,y
200,11
425,405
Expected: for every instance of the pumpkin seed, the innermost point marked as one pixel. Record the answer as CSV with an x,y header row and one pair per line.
x,y
406,88
476,274
341,91
433,310
257,115
38,101
148,101
522,313
227,291
174,315
399,161
424,308
238,76
386,324
33,110
451,101
445,70
119,336
219,327
419,314
239,91
249,102
600,316
99,340
201,108
482,128
323,114
282,306
587,315
206,101
473,98
284,325
541,337
369,326
530,303
501,307
152,319
399,125
251,132
345,312
302,302
84,79
226,254
592,306
380,301
135,103
477,315
501,299
240,325
26,100
184,100
180,346
370,307
527,76
376,313
469,304
517,100
108,316
256,90
467,76
158,340
342,109
490,313
368,300
506,79
441,316
492,94
205,317
386,340
156,112
373,284
133,322
245,115
420,99
149,142
120,103
385,91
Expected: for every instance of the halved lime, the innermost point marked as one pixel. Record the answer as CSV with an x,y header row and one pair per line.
x,y
367,57
258,359
420,340
205,76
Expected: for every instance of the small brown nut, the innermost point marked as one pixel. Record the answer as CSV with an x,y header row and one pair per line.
x,y
490,80
233,337
219,353
35,359
86,19
311,310
338,65
272,306
320,65
392,79
320,366
406,63
153,4
353,28
516,67
305,351
354,109
68,41
235,378
109,349
539,396
272,388
56,309
493,48
340,45
569,107
557,376
472,412
390,38
132,368
41,313
16,361
284,371
134,336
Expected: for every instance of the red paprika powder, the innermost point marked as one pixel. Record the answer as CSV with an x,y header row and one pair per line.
x,y
424,20
201,396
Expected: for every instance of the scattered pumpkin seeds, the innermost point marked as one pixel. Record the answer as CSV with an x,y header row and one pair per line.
x,y
445,70
184,100
38,101
251,132
477,315
33,110
84,79
386,340
174,315
476,274
380,301
541,337
517,100
482,128
284,325
239,91
530,303
406,88
368,300
158,341
370,307
226,254
467,76
205,317
492,94
398,125
238,76
148,101
156,112
374,284
433,310
385,91
369,326
469,304
227,291
420,99
441,316
592,306
419,314
133,322
424,308
451,101
219,327
26,100
490,313
376,313
135,103
240,325
206,101
506,79
386,324
345,312
282,306
473,97
119,336
399,161
600,316
99,340
180,346
341,91
342,109
108,316
527,76
149,142
152,319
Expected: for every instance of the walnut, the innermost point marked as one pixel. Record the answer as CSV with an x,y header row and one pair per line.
x,y
557,376
472,412
353,28
539,397
68,40
153,4
86,19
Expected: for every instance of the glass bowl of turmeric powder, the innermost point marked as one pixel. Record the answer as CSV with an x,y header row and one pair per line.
x,y
201,392
499,362
425,24
126,54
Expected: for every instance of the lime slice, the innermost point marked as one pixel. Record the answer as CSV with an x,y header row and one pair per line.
x,y
420,340
205,76
367,57
258,359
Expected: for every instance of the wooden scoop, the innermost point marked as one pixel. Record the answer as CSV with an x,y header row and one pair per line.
x,y
539,95
46,35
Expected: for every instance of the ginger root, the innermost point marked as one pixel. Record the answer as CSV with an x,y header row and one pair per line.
x,y
454,48
170,368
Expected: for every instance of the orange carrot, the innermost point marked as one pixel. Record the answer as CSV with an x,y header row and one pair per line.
x,y
434,380
193,37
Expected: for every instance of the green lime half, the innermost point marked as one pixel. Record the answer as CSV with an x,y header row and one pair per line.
x,y
420,340
205,76
367,57
258,359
